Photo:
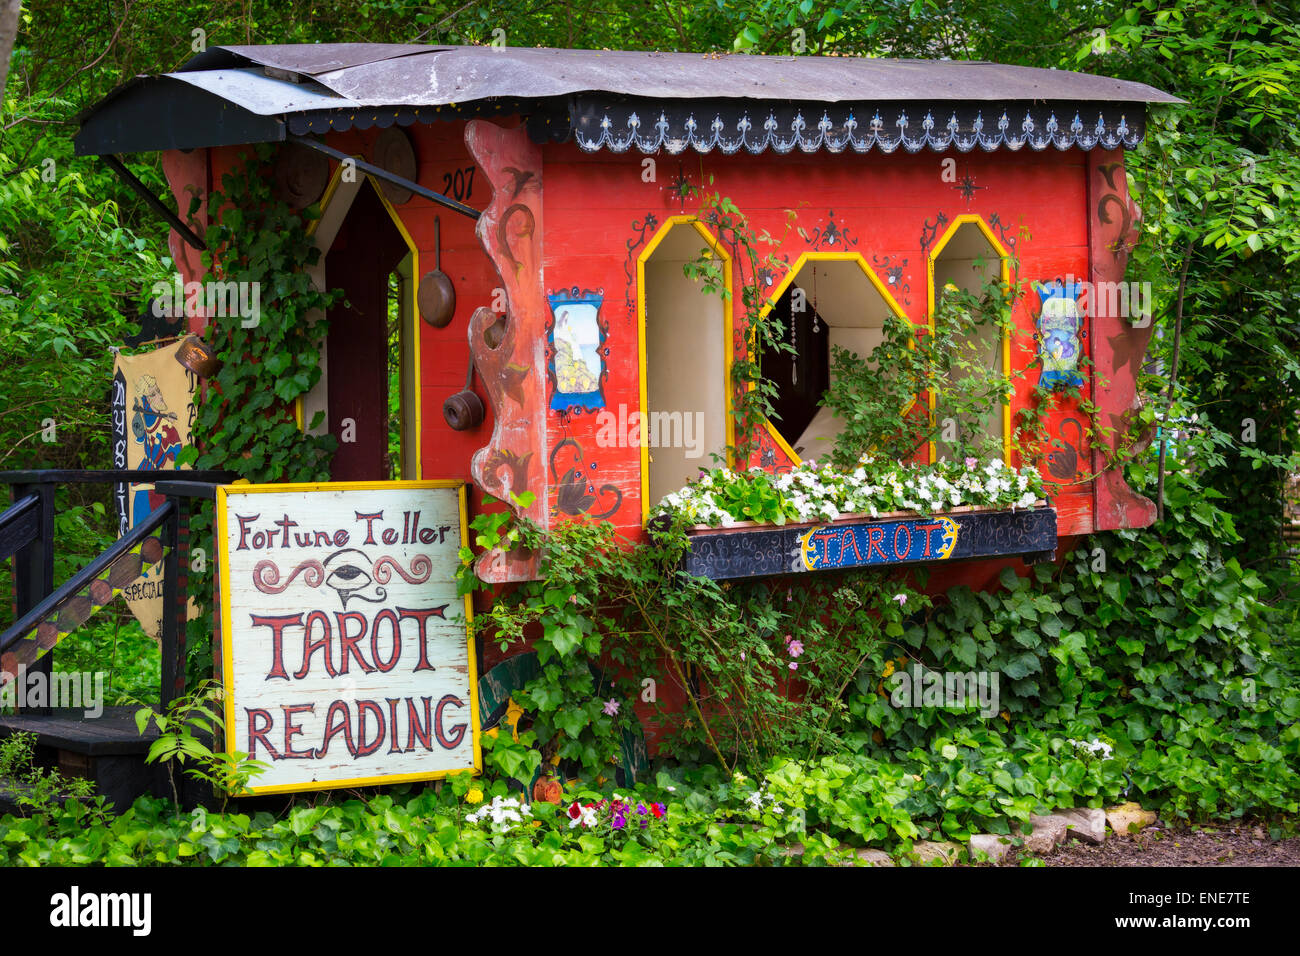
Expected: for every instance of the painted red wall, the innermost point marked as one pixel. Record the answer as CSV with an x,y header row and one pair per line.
x,y
599,212
885,207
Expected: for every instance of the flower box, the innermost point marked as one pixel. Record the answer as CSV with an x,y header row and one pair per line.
x,y
855,518
748,549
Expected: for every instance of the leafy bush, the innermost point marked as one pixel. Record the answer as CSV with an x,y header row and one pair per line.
x,y
880,397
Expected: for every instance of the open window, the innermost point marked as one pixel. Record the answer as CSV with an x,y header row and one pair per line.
x,y
969,257
685,360
826,300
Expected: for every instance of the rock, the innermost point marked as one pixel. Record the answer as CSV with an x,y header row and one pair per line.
x,y
928,852
794,849
874,857
992,845
1128,818
1087,824
1048,834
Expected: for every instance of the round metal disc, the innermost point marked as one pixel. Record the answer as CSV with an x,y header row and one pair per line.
x,y
394,152
301,175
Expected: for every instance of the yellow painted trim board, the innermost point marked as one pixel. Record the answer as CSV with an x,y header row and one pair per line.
x,y
716,247
1004,258
227,653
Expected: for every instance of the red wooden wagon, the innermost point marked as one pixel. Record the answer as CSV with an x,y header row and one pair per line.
x,y
551,187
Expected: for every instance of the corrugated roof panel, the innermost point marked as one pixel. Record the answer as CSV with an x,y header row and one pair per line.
x,y
258,93
306,58
403,75
621,99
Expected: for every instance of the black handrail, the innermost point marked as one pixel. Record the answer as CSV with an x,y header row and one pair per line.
x,y
90,572
19,525
67,476
187,489
26,535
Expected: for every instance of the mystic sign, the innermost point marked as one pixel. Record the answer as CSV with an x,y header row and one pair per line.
x,y
347,654
851,546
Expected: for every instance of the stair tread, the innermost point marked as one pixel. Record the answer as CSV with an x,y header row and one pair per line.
x,y
113,732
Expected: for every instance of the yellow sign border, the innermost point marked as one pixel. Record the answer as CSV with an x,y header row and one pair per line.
x,y
227,655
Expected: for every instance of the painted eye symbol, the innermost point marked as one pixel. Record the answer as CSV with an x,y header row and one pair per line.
x,y
347,577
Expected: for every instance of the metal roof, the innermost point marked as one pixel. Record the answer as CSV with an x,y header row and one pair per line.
x,y
240,94
404,75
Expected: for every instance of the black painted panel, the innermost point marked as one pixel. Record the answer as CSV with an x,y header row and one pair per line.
x,y
760,552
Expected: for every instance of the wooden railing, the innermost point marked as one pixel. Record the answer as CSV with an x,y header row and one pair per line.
x,y
45,614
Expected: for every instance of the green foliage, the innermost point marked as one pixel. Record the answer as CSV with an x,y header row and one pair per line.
x,y
1155,640
39,790
1219,184
762,666
245,418
880,397
752,253
188,731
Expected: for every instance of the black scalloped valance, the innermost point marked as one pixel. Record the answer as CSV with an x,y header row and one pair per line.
x,y
732,125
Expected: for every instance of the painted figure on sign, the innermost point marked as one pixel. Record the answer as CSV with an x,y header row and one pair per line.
x,y
152,426
577,354
1060,326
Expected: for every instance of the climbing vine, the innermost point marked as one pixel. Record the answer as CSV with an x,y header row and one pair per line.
x,y
754,259
245,419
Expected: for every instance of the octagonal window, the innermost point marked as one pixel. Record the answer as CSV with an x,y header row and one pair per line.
x,y
827,301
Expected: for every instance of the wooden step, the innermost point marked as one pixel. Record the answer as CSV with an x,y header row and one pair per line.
x,y
112,732
107,750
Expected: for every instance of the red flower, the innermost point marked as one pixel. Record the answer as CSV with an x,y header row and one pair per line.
x,y
574,810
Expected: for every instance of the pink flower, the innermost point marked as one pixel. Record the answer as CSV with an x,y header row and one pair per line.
x,y
795,648
900,598
742,655
611,708
971,463
794,666
788,639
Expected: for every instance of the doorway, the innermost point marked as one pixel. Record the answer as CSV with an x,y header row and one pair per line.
x,y
367,389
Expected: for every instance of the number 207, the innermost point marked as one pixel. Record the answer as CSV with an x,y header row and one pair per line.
x,y
460,184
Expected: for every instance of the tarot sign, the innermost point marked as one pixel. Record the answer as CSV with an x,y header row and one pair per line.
x,y
346,651
851,546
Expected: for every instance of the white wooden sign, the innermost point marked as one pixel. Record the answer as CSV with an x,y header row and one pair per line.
x,y
347,659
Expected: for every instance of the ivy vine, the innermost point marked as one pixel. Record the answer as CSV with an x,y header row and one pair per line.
x,y
245,419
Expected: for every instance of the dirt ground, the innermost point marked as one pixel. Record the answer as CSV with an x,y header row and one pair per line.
x,y
1245,844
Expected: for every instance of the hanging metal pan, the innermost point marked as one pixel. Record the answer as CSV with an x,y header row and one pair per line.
x,y
465,410
437,296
